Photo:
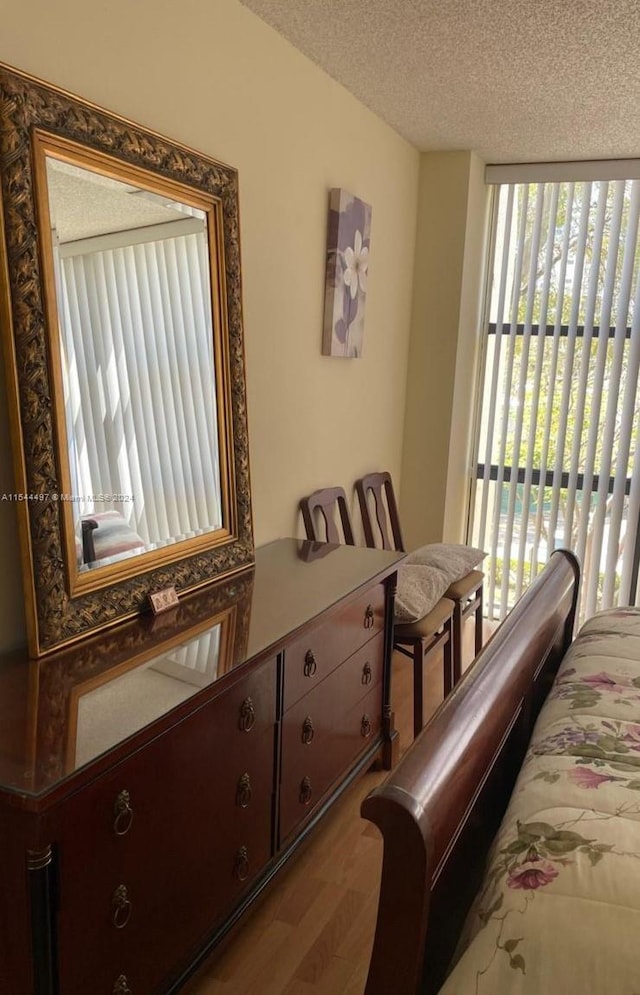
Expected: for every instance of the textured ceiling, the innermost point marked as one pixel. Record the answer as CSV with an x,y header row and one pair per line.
x,y
514,80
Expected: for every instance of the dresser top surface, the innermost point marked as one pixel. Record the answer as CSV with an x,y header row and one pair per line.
x,y
63,712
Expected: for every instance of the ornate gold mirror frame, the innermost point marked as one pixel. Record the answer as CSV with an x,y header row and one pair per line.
x,y
64,602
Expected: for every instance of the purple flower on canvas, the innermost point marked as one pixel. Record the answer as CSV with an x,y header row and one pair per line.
x,y
531,877
584,777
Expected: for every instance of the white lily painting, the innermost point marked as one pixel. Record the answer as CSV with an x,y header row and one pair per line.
x,y
348,239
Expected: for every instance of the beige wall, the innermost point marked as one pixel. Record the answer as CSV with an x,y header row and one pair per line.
x,y
215,77
452,204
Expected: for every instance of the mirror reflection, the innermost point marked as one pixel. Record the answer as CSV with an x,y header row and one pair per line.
x,y
110,712
133,293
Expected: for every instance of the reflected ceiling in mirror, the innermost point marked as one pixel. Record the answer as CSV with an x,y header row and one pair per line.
x,y
123,338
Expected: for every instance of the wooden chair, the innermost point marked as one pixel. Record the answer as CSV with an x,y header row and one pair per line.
x,y
425,637
465,593
326,501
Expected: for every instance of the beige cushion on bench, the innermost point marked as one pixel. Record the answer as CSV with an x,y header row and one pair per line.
x,y
454,560
420,588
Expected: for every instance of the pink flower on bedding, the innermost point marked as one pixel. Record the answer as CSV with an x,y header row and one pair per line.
x,y
584,777
530,878
632,735
606,682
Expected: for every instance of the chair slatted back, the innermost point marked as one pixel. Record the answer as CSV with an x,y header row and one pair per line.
x,y
385,510
326,501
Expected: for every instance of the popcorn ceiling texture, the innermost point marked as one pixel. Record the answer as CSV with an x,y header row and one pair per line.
x,y
514,80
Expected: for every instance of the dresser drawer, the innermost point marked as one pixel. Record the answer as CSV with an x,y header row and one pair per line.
x,y
356,729
309,659
326,729
154,852
362,672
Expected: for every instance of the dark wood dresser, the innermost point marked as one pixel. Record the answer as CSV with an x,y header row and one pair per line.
x,y
155,778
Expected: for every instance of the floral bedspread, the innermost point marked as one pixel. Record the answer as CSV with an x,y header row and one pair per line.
x,y
559,911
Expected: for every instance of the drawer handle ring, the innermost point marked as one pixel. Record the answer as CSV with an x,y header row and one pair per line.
x,y
247,718
123,814
241,868
243,793
369,617
121,986
305,791
365,727
121,907
308,732
310,664
367,675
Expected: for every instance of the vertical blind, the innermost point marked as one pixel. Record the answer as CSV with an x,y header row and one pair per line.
x,y
557,433
144,422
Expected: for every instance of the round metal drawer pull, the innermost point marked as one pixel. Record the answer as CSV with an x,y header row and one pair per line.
x,y
121,986
308,732
123,814
247,718
310,664
305,791
121,907
243,793
365,727
241,869
367,675
369,617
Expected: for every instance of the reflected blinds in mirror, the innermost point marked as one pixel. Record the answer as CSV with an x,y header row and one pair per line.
x,y
144,425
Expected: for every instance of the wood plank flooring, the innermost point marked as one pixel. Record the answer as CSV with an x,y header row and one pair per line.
x,y
313,933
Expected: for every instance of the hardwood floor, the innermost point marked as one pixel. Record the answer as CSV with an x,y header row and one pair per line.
x,y
313,933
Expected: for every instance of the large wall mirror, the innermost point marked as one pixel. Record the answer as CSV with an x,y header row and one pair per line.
x,y
122,328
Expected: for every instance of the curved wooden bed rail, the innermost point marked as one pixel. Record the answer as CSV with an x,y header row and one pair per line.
x,y
440,809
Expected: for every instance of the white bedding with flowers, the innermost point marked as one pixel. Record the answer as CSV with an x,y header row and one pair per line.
x,y
559,911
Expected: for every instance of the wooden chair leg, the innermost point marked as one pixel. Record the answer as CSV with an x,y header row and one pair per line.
x,y
418,694
478,642
457,641
448,652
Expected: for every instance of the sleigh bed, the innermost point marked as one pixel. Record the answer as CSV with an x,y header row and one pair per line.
x,y
512,853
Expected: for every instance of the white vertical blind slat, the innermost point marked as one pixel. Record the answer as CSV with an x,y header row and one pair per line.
x,y
567,378
509,195
584,546
576,458
553,365
612,505
506,408
551,205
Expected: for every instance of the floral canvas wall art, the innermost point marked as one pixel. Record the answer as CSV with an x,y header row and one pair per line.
x,y
348,239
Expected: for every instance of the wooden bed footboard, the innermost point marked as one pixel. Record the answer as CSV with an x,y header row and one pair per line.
x,y
440,809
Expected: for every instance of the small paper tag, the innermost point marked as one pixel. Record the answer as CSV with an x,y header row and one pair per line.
x,y
162,601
